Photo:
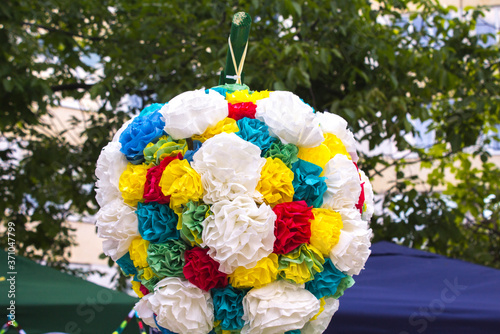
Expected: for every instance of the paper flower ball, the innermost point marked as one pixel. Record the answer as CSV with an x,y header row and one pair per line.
x,y
235,211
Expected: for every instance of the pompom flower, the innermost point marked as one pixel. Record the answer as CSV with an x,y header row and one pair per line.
x,y
227,125
325,230
167,259
245,96
300,128
228,307
325,283
192,112
141,131
255,132
192,218
352,250
181,183
240,110
320,324
292,226
229,167
145,312
152,189
308,184
286,153
201,270
239,233
109,168
275,183
264,272
157,222
343,184
300,265
278,307
139,252
164,147
117,223
132,182
181,307
126,265
321,154
334,124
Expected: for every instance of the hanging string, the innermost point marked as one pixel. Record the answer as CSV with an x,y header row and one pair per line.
x,y
237,68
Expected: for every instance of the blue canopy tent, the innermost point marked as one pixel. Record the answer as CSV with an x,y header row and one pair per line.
x,y
406,291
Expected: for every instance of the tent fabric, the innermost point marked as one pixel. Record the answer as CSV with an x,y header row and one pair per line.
x,y
50,301
407,291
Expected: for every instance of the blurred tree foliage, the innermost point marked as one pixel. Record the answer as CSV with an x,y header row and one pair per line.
x,y
377,64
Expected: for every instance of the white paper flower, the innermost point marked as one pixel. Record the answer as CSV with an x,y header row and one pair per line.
x,y
229,167
319,325
239,233
145,312
278,307
351,220
110,166
344,186
117,223
192,112
182,307
290,119
334,124
369,201
349,255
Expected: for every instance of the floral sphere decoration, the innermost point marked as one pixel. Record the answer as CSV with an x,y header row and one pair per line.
x,y
235,211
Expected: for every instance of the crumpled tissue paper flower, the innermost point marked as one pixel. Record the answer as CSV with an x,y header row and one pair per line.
x,y
343,184
157,222
117,223
325,229
228,307
229,167
141,131
227,125
352,250
167,259
334,124
203,271
308,184
278,307
192,218
255,132
321,154
264,272
287,153
239,233
240,110
289,118
326,283
320,324
181,307
152,189
192,112
109,167
300,265
244,95
275,183
132,183
145,312
292,226
164,147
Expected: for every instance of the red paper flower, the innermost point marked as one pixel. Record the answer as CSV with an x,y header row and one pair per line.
x,y
152,189
361,200
144,290
240,110
293,226
203,271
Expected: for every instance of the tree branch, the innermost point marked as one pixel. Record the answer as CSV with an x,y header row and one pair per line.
x,y
68,33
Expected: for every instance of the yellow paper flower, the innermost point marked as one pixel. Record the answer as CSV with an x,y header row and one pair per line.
x,y
227,125
300,265
136,286
182,183
325,229
321,308
138,252
264,272
275,183
245,96
321,154
132,182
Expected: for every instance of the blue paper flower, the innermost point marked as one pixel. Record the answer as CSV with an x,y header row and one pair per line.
x,y
219,89
228,307
151,109
139,133
256,132
126,265
157,222
326,282
189,153
308,184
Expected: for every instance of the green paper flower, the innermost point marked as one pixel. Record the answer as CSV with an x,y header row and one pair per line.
x,y
167,259
192,218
